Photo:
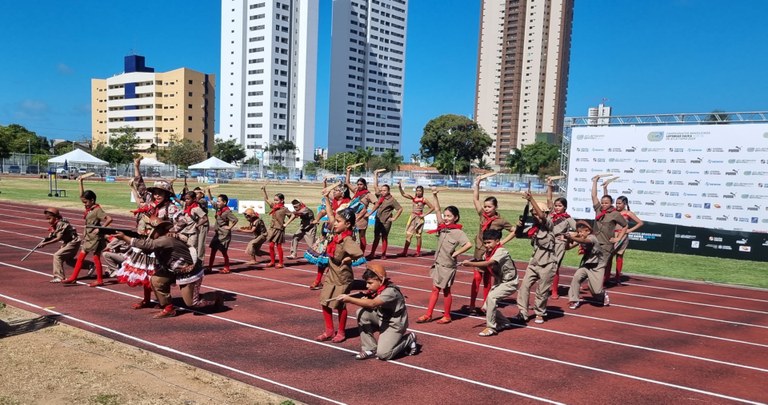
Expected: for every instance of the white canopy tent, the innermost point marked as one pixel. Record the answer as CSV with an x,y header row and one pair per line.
x,y
152,162
78,156
213,163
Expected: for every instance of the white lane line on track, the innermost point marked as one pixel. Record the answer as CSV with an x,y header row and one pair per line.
x,y
293,268
171,350
576,365
252,326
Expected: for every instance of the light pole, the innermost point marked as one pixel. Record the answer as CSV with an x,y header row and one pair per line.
x,y
29,146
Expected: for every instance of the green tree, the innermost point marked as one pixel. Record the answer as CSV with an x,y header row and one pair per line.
x,y
228,151
391,160
109,154
186,153
124,141
483,164
18,139
452,142
533,158
363,155
338,163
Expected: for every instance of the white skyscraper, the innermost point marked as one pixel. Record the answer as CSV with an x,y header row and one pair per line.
x,y
269,74
367,75
600,115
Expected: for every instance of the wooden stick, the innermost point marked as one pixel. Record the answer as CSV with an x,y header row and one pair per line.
x,y
556,177
86,175
605,175
212,186
331,187
355,165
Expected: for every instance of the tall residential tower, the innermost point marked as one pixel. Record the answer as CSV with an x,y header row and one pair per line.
x,y
522,73
161,107
268,76
367,75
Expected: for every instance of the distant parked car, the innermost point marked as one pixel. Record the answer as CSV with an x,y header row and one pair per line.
x,y
14,169
33,169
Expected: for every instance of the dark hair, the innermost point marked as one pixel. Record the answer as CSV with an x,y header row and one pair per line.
x,y
454,211
223,197
491,234
365,183
295,202
369,274
624,200
493,200
197,189
563,201
348,216
280,196
191,194
89,195
608,197
420,188
387,186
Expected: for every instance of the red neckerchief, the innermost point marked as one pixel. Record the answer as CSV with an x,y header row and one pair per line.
x,y
144,208
338,202
489,255
445,226
221,211
557,218
602,213
276,207
488,220
88,210
360,192
53,226
374,294
301,208
188,209
533,230
331,248
384,197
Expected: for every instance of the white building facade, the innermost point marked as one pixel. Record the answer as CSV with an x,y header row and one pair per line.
x,y
269,72
600,115
367,75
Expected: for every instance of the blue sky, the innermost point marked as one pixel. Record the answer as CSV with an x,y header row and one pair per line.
x,y
651,56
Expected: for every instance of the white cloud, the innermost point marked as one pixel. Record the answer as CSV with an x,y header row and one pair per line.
x,y
64,69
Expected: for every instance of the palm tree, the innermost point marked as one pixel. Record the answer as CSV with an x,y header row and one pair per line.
x,y
391,159
364,155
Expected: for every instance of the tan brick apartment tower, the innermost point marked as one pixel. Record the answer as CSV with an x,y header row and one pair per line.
x,y
522,70
179,104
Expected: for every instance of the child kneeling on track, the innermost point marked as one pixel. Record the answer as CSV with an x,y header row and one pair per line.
x,y
382,310
589,268
499,263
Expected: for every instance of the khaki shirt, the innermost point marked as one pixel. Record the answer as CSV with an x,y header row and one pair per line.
x,y
605,227
503,267
384,212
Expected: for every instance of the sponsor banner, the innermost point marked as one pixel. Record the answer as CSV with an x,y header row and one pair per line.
x,y
699,176
700,241
256,205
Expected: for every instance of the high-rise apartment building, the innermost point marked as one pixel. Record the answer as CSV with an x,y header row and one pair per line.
x,y
600,115
161,107
367,75
522,74
268,76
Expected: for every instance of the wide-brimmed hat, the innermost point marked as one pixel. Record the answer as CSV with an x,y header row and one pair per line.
x,y
378,269
53,212
251,213
582,222
159,225
161,186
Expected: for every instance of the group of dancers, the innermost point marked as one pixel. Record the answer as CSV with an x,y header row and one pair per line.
x,y
168,247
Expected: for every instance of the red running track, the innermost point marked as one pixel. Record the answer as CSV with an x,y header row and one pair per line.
x,y
660,341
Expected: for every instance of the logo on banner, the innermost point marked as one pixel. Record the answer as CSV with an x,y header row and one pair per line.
x,y
697,160
257,206
735,149
656,136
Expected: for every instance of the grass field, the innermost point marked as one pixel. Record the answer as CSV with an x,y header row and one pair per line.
x,y
115,198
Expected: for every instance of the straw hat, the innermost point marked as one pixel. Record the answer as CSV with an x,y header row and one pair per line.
x,y
161,185
378,269
158,225
53,212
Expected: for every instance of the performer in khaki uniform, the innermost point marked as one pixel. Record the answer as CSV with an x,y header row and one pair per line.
x,y
415,223
562,223
61,231
225,221
259,230
452,242
360,201
202,229
93,242
607,222
192,218
589,247
543,263
499,263
276,237
384,209
489,219
307,229
383,311
342,252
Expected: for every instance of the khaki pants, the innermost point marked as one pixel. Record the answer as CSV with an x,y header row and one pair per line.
x,y
391,342
308,236
162,287
111,261
493,316
534,273
594,276
202,234
66,254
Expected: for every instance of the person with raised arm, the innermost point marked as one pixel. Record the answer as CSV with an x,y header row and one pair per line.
x,y
276,237
384,209
489,219
360,200
451,242
622,206
562,223
415,223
